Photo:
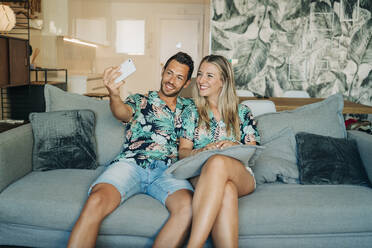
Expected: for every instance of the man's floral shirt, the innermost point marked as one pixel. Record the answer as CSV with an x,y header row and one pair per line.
x,y
154,131
201,137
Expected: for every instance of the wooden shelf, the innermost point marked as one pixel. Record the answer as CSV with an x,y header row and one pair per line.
x,y
4,86
289,103
49,82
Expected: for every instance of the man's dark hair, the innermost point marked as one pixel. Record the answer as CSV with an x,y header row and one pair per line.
x,y
182,58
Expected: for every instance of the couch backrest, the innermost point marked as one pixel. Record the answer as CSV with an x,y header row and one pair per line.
x,y
109,132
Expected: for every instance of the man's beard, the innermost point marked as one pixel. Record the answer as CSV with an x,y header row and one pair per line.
x,y
172,94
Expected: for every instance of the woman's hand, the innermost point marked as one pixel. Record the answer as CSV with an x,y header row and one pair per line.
x,y
226,143
219,145
109,76
210,146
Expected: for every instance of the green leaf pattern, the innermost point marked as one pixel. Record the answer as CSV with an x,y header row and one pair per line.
x,y
152,133
201,136
320,46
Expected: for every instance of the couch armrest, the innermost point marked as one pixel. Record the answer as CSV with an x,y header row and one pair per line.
x,y
15,154
364,142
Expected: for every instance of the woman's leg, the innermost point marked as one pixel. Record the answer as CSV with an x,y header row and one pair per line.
x,y
210,190
225,231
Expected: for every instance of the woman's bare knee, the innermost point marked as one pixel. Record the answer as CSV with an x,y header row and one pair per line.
x,y
216,164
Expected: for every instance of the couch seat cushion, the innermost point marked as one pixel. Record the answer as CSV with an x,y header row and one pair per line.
x,y
53,199
290,209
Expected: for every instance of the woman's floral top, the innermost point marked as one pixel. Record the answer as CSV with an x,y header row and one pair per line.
x,y
153,133
201,137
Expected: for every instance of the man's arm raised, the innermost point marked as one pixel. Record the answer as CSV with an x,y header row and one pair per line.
x,y
119,109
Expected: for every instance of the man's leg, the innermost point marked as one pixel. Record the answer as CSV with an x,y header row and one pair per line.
x,y
118,182
175,230
176,196
102,201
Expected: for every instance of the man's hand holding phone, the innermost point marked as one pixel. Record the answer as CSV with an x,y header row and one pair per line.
x,y
113,76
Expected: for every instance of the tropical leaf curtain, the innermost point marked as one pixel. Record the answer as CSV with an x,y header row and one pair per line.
x,y
320,46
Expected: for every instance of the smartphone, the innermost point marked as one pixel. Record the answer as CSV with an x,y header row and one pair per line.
x,y
126,69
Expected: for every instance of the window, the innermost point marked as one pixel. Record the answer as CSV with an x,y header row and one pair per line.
x,y
130,37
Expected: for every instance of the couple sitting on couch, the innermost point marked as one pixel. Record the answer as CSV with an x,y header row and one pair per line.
x,y
156,122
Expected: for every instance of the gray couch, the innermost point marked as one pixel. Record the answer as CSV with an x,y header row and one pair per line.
x,y
38,209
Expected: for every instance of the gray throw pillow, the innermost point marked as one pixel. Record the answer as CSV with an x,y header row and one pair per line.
x,y
322,118
63,139
277,162
327,160
191,166
110,133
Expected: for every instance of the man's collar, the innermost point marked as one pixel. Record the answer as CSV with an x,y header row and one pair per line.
x,y
180,100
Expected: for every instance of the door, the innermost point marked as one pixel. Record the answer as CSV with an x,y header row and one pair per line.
x,y
181,33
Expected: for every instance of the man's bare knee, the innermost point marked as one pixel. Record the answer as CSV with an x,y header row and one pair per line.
x,y
103,199
180,203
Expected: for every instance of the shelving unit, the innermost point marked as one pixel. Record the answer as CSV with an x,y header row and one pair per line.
x,y
9,76
45,71
21,87
22,11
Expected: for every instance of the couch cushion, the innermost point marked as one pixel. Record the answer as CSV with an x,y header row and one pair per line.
x,y
327,160
53,199
278,161
63,139
109,131
295,209
323,118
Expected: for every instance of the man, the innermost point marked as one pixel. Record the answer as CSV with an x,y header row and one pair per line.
x,y
150,147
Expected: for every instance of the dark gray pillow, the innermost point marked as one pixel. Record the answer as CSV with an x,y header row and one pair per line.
x,y
109,132
191,166
322,118
63,139
328,160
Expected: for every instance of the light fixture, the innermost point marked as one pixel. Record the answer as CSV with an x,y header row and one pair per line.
x,y
79,42
7,18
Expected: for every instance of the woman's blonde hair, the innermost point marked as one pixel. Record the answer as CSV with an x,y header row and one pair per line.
x,y
228,100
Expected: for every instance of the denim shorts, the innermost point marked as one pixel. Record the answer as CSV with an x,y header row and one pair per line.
x,y
130,179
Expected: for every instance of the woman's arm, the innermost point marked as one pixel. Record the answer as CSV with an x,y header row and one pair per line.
x,y
186,148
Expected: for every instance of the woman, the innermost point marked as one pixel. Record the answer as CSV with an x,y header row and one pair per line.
x,y
218,121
